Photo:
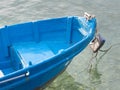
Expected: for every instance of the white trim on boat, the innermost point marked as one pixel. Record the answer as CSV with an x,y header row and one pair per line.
x,y
1,74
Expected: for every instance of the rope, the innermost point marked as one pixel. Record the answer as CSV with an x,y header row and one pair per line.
x,y
95,56
104,53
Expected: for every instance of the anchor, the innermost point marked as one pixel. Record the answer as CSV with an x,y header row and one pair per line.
x,y
98,40
97,43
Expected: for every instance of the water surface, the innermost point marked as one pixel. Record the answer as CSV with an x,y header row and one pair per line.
x,y
82,74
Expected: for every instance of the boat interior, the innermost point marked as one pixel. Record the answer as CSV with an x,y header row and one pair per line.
x,y
24,45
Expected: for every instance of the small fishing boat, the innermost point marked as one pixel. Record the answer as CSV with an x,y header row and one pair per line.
x,y
34,53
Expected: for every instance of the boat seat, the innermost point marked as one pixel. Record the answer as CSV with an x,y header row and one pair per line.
x,y
30,53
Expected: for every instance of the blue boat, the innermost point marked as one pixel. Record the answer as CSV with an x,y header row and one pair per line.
x,y
34,53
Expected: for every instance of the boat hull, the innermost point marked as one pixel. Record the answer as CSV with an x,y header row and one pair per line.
x,y
35,53
40,81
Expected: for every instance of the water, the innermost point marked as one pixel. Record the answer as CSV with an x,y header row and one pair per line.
x,y
104,75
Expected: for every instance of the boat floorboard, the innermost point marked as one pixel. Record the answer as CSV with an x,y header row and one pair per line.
x,y
33,53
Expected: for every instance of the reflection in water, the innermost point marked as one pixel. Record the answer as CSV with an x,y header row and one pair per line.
x,y
65,82
94,74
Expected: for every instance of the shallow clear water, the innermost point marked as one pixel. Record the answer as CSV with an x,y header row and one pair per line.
x,y
83,73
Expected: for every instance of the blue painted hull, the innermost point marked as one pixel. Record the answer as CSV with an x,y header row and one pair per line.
x,y
34,53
